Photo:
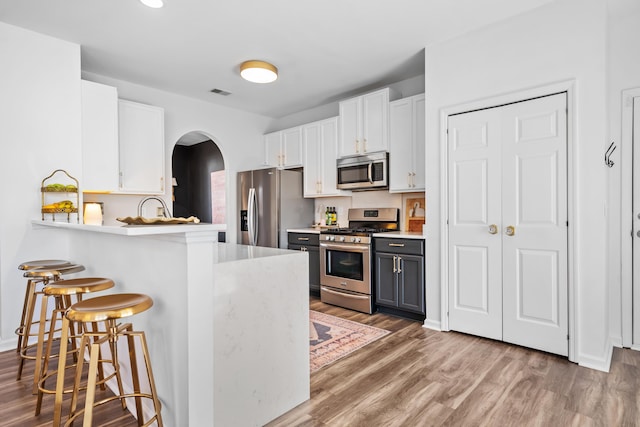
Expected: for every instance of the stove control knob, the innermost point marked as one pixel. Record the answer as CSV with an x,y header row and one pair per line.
x,y
358,240
353,239
331,238
342,239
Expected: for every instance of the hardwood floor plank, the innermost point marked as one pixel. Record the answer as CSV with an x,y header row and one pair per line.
x,y
419,377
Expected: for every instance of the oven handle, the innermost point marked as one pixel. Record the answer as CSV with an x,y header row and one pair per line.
x,y
343,294
346,248
370,173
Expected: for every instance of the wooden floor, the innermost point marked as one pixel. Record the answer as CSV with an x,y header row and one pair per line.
x,y
17,407
419,377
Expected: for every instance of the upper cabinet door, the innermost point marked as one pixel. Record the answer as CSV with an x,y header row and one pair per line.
x,y
312,163
375,121
407,144
272,157
99,137
350,127
141,148
292,147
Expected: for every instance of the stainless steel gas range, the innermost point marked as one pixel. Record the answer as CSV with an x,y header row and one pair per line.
x,y
346,262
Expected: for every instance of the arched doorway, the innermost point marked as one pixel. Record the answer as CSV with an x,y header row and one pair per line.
x,y
198,179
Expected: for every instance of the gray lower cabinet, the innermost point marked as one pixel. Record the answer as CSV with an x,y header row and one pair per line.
x,y
309,242
399,276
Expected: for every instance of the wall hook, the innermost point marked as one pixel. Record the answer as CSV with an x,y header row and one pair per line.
x,y
607,155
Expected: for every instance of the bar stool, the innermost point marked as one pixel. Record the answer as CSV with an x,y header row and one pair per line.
x,y
30,290
42,275
61,291
106,308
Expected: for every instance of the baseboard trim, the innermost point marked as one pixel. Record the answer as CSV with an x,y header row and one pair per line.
x,y
9,344
432,324
598,363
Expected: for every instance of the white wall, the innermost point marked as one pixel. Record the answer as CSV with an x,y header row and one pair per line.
x,y
237,134
557,42
40,132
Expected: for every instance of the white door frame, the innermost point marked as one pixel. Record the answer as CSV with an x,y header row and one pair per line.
x,y
564,86
626,217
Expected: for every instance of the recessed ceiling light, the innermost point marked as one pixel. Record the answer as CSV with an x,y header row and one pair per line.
x,y
258,71
153,3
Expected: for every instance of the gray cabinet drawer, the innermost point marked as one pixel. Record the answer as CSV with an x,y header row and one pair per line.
x,y
310,239
399,246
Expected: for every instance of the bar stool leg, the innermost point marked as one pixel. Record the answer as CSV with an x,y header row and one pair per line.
x,y
26,326
37,372
27,303
134,372
91,385
57,405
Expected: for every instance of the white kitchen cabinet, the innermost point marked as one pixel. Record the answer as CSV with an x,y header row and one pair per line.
x,y
407,144
283,149
141,148
364,123
320,147
99,137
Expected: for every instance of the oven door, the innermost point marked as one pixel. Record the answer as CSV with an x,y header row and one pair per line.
x,y
346,266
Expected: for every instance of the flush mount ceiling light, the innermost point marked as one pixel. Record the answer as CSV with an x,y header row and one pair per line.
x,y
153,3
258,71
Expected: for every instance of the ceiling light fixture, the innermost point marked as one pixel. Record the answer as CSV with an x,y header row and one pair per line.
x,y
258,71
156,4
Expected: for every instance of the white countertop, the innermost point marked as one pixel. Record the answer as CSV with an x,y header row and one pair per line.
x,y
229,252
312,230
401,235
133,230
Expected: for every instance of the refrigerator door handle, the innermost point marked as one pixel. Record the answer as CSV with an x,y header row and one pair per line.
x,y
252,217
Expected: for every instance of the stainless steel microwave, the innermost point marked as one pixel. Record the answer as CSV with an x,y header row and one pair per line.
x,y
364,172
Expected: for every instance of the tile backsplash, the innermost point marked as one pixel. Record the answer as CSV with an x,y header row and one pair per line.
x,y
362,199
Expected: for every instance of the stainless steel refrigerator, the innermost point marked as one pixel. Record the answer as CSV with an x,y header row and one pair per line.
x,y
270,202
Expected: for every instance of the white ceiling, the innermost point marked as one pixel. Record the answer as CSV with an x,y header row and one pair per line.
x,y
325,50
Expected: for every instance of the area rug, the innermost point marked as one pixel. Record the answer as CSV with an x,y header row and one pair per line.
x,y
332,338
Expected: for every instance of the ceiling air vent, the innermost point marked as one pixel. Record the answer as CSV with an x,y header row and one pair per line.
x,y
220,92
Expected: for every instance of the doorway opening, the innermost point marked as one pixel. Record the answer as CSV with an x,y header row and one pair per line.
x,y
199,179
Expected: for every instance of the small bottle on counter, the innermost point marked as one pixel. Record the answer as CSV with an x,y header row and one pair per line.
x,y
334,216
327,216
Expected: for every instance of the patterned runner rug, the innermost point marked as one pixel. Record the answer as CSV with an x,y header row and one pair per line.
x,y
332,338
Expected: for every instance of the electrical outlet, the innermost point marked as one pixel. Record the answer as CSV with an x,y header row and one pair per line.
x,y
159,211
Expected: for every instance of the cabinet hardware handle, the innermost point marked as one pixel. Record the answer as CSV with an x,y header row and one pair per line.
x,y
364,145
357,146
510,230
409,179
397,245
399,261
303,238
394,264
493,229
413,179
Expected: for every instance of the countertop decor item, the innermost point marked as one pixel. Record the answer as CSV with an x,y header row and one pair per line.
x,y
50,190
414,214
332,338
138,220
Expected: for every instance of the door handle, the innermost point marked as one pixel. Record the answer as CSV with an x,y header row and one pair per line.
x,y
394,264
510,230
370,173
493,229
399,261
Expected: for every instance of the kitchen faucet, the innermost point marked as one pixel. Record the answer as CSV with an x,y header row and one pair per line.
x,y
165,211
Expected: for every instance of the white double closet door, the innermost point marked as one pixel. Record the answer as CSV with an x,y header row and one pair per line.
x,y
507,228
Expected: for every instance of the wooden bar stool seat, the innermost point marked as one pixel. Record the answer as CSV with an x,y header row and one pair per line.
x,y
62,291
37,272
109,309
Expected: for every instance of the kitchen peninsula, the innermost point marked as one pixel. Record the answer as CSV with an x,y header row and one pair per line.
x,y
228,332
